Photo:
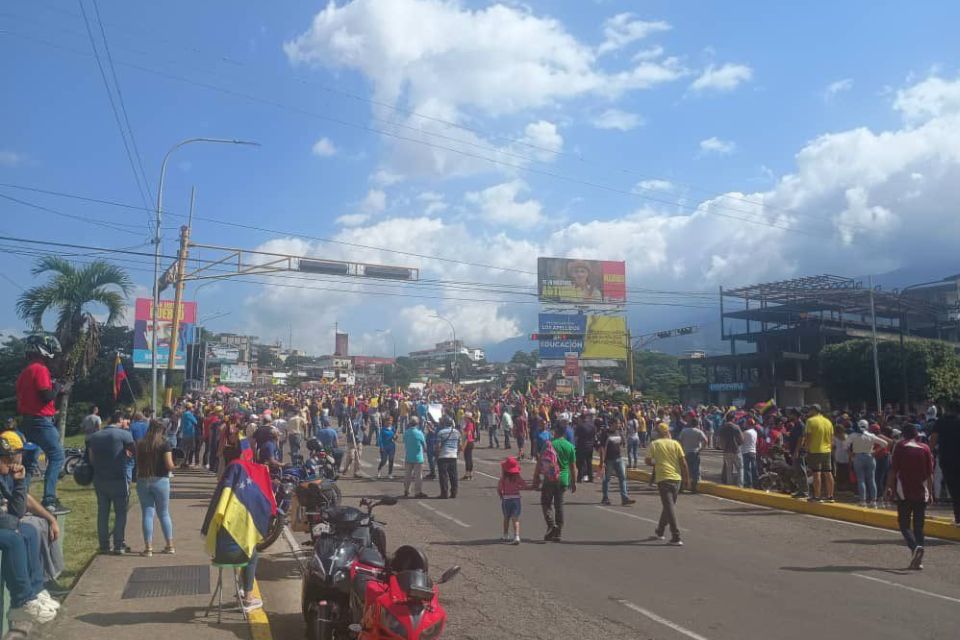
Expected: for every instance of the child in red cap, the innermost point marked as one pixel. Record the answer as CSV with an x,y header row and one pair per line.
x,y
509,488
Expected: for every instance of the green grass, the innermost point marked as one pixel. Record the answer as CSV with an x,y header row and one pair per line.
x,y
80,542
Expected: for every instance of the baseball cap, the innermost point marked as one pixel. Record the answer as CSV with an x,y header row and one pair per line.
x,y
10,443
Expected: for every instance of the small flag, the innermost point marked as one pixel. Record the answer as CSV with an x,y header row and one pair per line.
x,y
119,375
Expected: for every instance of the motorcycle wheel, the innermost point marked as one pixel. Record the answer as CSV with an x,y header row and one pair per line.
x,y
318,629
273,533
769,482
70,464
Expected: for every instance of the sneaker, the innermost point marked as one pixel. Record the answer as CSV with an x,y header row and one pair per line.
x,y
556,535
548,536
45,597
862,505
814,499
605,501
675,541
829,500
916,562
252,604
505,538
516,540
421,495
406,494
169,551
33,611
658,533
799,494
122,551
627,502
147,553
379,475
389,476
55,507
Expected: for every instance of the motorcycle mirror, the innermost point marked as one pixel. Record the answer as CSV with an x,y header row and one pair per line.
x,y
388,501
449,574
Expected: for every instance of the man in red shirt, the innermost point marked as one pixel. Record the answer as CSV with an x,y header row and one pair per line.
x,y
36,393
911,482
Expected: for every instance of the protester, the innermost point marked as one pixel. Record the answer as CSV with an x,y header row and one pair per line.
x,y
946,440
469,437
910,483
693,440
860,446
584,437
748,451
154,464
414,445
557,465
509,488
36,392
612,464
670,469
633,442
139,426
91,422
109,451
387,442
729,439
448,448
506,423
188,435
296,432
818,443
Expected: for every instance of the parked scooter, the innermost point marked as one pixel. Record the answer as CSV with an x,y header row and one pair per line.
x,y
289,482
349,545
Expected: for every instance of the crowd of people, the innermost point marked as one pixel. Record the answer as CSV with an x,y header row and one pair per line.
x,y
907,460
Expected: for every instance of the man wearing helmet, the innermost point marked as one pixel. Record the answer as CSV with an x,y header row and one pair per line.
x,y
36,393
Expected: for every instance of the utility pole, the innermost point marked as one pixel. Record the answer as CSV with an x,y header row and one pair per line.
x,y
876,362
177,300
630,363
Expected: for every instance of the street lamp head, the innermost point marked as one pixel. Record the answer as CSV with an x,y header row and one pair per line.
x,y
246,142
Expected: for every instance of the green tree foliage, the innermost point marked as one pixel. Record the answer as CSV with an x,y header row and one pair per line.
x,y
74,293
402,373
528,359
657,375
932,371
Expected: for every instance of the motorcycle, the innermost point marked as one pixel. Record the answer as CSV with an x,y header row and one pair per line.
x,y
777,474
285,485
401,602
349,544
321,462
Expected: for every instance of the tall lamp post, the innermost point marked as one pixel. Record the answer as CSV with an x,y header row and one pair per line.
x,y
156,255
453,362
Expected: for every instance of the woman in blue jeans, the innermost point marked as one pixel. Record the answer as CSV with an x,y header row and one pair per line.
x,y
861,444
154,464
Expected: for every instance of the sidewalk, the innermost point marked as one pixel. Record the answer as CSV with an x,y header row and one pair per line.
x,y
96,609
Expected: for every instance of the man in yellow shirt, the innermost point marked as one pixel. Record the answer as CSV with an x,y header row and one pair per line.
x,y
670,469
818,442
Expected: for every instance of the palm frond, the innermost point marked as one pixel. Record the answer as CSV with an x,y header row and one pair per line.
x,y
100,274
114,301
55,264
34,303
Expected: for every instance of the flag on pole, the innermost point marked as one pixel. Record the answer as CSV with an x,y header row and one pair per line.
x,y
119,375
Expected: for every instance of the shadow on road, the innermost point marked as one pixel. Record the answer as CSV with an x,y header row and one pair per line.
x,y
181,616
892,541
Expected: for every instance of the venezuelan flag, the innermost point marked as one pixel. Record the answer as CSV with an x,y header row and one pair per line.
x,y
242,506
119,375
246,451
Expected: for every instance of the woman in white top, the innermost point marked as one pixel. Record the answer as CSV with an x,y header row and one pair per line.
x,y
860,445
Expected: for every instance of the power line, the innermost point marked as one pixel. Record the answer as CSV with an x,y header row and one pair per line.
x,y
114,226
113,108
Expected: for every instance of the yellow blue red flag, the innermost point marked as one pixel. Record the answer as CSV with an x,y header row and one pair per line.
x,y
242,506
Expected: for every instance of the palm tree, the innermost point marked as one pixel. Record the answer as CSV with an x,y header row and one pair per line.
x,y
71,291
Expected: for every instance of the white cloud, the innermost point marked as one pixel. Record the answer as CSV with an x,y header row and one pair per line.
x,y
931,98
723,78
617,119
439,59
718,146
622,29
353,219
434,202
837,86
324,148
655,185
543,138
10,159
500,205
384,178
651,53
476,324
374,202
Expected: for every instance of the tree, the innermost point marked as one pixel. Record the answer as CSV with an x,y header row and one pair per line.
x,y
657,375
524,358
72,292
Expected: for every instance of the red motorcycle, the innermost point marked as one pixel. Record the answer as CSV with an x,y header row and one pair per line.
x,y
401,602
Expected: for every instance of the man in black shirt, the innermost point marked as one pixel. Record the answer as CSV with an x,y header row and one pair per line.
x,y
584,435
945,441
612,463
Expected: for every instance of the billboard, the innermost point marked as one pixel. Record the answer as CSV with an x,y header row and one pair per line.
x,y
143,331
236,373
218,353
592,337
572,281
571,365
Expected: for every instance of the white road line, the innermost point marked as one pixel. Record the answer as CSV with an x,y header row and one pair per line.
x,y
444,515
487,475
629,515
903,586
667,623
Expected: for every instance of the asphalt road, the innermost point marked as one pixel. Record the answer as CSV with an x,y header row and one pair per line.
x,y
744,572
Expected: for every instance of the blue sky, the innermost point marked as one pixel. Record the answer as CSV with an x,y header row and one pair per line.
x,y
606,129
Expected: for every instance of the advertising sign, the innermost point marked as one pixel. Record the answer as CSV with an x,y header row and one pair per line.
x,y
236,373
572,281
593,337
571,365
143,331
218,353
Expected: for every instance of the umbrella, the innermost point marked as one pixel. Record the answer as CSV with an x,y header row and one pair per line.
x,y
223,389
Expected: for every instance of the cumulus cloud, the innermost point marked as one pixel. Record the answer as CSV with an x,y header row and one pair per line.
x,y
476,324
617,119
623,29
837,86
500,205
543,138
931,98
434,202
726,77
324,148
353,219
438,60
715,145
655,185
374,202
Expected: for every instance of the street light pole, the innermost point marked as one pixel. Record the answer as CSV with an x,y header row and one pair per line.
x,y
453,363
156,255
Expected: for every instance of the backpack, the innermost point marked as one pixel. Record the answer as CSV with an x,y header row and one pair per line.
x,y
549,463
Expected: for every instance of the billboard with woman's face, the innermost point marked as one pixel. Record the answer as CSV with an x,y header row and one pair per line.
x,y
574,281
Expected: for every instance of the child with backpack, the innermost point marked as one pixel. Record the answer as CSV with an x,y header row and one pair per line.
x,y
509,488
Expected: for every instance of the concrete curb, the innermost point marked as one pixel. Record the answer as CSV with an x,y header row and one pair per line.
x,y
258,620
884,519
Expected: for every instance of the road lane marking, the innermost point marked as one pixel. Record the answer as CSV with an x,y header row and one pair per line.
x,y
660,619
629,515
903,586
487,475
444,515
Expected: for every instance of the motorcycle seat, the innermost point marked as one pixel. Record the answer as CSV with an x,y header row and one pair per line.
x,y
372,557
